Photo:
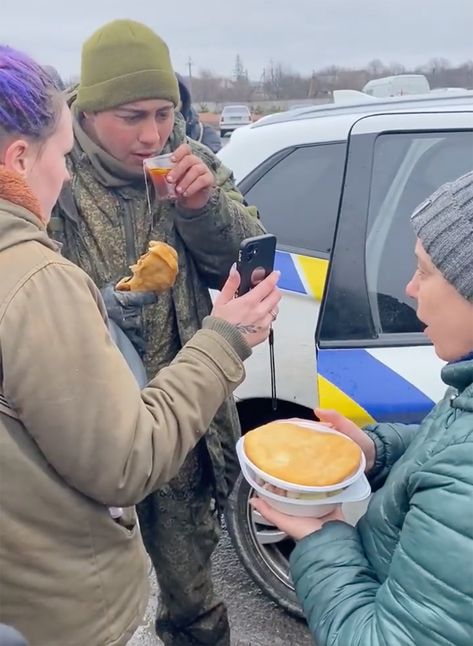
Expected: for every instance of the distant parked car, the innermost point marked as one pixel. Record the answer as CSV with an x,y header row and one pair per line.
x,y
232,117
397,85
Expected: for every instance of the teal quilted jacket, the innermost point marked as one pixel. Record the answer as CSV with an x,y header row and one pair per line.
x,y
404,575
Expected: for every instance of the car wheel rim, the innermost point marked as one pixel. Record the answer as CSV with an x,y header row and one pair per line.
x,y
273,545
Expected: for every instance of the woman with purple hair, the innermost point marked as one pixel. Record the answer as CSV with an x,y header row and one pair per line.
x,y
80,444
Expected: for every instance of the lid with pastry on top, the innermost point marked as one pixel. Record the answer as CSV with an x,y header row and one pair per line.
x,y
302,456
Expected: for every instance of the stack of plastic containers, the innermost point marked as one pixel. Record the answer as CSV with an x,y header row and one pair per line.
x,y
302,500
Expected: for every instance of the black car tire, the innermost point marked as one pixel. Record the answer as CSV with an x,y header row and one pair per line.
x,y
237,518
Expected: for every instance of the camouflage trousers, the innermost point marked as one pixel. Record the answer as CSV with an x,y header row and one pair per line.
x,y
180,528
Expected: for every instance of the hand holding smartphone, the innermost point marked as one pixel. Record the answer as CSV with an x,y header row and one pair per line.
x,y
256,307
255,260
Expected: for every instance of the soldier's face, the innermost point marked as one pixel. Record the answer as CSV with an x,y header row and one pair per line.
x,y
133,131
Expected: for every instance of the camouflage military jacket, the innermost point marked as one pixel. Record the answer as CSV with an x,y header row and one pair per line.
x,y
105,224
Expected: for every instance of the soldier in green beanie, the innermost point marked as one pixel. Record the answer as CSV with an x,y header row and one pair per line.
x,y
124,110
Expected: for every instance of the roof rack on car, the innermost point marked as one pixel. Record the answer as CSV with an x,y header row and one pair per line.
x,y
392,103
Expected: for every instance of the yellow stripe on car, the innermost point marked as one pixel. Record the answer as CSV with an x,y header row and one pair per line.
x,y
314,273
332,397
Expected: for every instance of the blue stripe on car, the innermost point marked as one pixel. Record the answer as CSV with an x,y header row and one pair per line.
x,y
383,393
290,279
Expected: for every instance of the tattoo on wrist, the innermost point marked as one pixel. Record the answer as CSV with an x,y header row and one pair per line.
x,y
248,329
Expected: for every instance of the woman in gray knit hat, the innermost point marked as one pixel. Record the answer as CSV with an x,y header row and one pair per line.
x,y
404,575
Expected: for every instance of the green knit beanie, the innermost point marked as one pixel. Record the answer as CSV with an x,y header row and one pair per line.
x,y
122,62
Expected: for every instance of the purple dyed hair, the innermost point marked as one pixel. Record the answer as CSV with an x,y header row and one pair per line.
x,y
30,103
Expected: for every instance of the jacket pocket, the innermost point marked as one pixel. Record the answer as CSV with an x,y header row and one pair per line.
x,y
127,522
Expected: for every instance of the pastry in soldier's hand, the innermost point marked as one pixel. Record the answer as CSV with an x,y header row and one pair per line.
x,y
155,271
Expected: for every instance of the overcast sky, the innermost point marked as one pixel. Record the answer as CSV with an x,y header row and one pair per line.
x,y
303,34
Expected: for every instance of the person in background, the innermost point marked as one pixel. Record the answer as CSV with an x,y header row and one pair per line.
x,y
195,129
80,443
124,110
404,574
55,76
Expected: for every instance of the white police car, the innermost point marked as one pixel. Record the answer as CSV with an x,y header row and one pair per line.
x,y
337,185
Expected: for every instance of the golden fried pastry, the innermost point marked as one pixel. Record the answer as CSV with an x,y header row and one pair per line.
x,y
300,455
155,271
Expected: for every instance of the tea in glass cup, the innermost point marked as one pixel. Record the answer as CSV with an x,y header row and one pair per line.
x,y
157,168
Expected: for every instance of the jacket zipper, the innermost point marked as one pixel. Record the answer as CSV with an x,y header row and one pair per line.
x,y
130,249
130,246
452,414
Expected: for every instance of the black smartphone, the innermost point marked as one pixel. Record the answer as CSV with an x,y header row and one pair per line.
x,y
255,260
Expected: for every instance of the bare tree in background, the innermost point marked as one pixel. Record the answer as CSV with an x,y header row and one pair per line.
x,y
239,71
438,72
272,80
279,82
242,89
396,68
466,71
436,64
313,86
207,87
376,68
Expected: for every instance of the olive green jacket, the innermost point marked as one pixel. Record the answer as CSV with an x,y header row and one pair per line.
x,y
77,437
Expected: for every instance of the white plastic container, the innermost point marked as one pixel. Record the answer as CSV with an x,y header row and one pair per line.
x,y
352,489
359,490
283,484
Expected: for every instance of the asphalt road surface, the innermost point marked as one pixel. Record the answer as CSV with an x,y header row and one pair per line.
x,y
255,620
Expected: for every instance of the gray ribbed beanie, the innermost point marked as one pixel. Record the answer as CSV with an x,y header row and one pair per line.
x,y
444,225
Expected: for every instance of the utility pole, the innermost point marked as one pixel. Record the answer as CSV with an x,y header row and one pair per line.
x,y
189,65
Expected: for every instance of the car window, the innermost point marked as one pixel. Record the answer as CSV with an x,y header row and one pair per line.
x,y
407,168
298,197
